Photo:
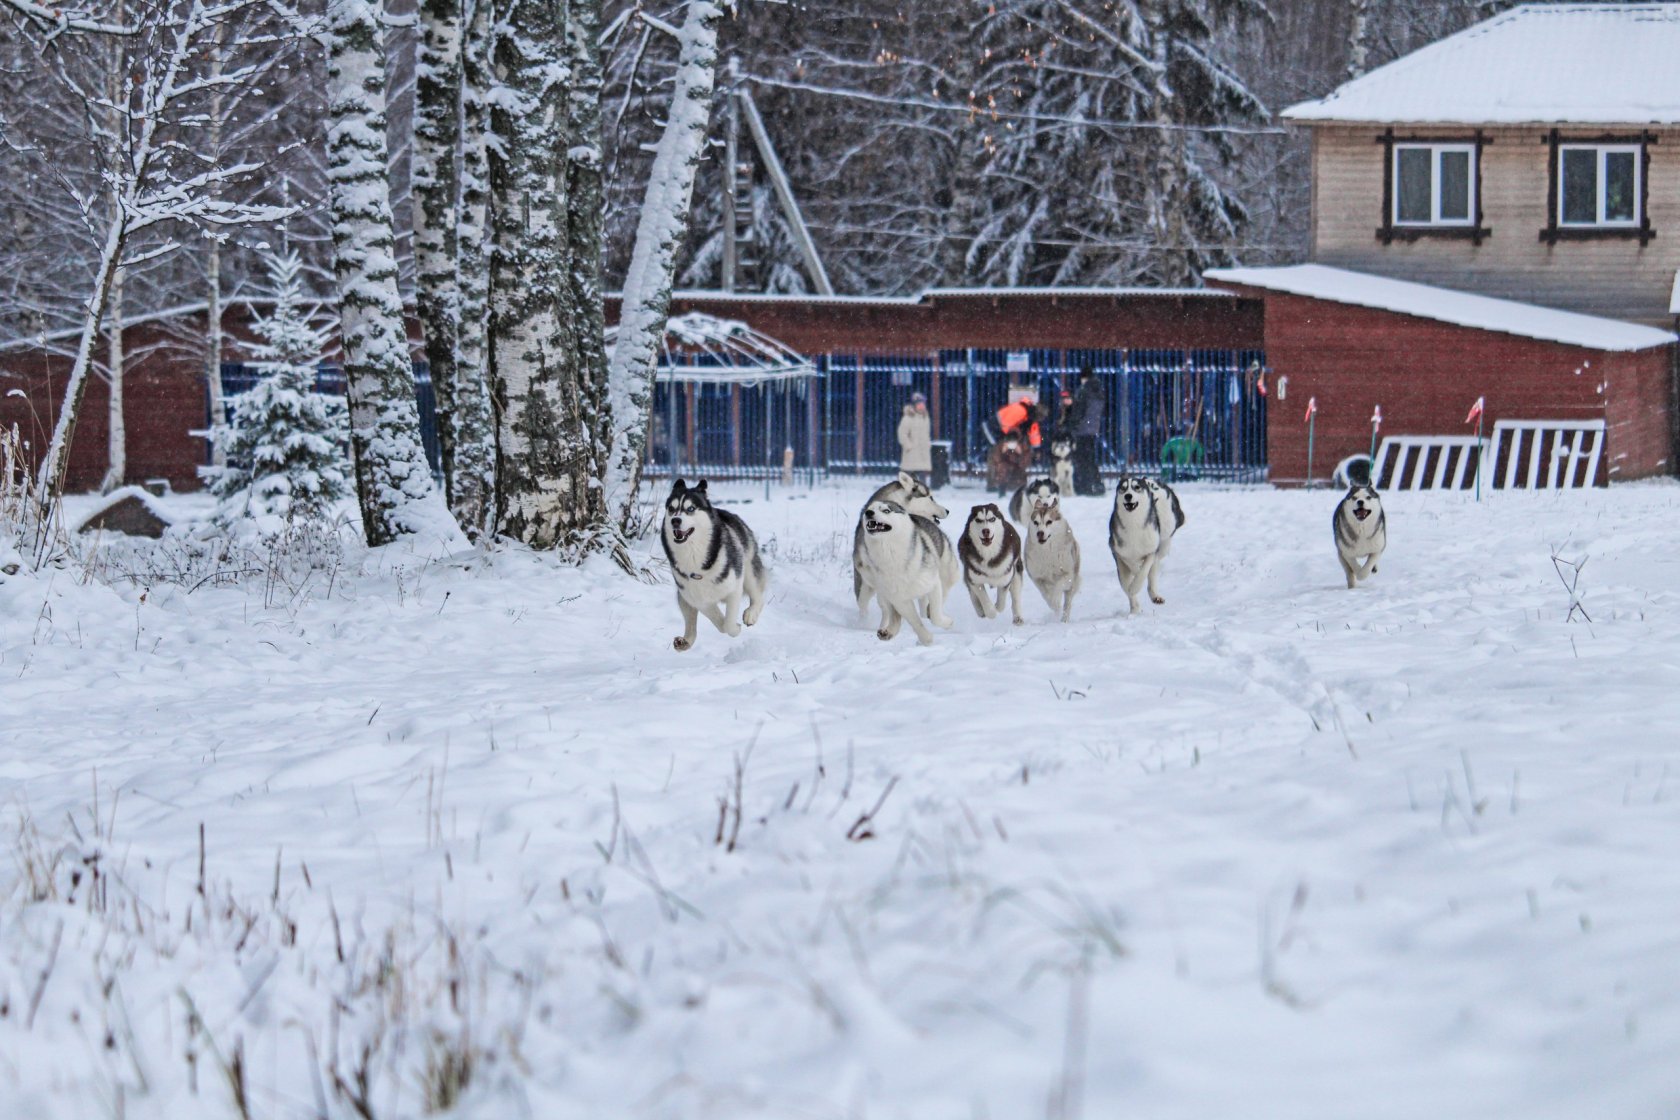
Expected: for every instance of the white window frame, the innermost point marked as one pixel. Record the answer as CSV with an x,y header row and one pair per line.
x,y
1435,218
1604,150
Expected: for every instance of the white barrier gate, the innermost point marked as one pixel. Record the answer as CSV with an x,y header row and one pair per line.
x,y
1405,462
1570,456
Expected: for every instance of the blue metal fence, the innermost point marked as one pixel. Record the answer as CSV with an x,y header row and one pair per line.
x,y
1187,413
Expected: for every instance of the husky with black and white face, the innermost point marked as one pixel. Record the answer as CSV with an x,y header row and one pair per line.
x,y
1053,558
1028,497
911,567
1134,535
714,559
1361,530
917,499
1171,517
990,551
1061,465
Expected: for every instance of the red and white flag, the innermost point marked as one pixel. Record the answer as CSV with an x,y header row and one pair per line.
x,y
1476,410
1312,407
1376,417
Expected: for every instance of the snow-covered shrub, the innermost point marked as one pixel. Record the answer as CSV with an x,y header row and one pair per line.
x,y
287,445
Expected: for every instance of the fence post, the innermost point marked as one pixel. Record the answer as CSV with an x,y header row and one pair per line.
x,y
968,428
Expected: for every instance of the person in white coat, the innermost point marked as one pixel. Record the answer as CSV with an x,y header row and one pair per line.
x,y
915,439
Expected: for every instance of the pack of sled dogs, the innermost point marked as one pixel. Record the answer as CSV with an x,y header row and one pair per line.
x,y
902,559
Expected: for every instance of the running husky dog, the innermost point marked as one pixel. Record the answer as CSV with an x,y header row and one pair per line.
x,y
1021,503
911,567
1361,530
1171,516
1053,558
714,559
1134,535
1061,465
990,551
916,499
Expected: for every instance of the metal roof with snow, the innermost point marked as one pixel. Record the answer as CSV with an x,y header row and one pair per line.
x,y
1535,64
1339,285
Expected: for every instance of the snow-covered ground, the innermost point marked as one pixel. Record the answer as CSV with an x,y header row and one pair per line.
x,y
1274,849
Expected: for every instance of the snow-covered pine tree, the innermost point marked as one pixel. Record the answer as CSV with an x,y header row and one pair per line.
x,y
1099,140
547,491
287,446
659,233
393,479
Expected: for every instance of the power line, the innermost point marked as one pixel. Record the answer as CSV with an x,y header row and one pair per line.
x,y
1006,114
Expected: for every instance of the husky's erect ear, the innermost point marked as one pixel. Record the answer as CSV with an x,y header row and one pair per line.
x,y
678,486
906,480
700,487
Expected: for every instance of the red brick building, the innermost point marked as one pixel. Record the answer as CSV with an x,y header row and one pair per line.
x,y
1424,355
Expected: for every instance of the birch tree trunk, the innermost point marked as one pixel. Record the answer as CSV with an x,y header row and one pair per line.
x,y
213,338
116,439
472,426
586,211
393,479
545,461
647,284
437,134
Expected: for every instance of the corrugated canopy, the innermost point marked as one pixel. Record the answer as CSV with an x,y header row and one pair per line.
x,y
704,349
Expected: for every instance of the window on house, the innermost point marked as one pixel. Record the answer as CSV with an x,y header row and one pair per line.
x,y
1599,185
1434,184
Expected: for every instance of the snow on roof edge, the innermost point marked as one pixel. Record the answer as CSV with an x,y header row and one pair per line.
x,y
1463,78
942,293
1447,305
122,494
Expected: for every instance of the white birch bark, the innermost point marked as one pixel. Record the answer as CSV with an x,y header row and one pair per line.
x,y
116,441
437,134
586,212
213,338
472,425
546,462
393,479
647,284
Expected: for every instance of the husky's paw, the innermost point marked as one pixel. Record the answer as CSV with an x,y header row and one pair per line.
x,y
943,623
927,641
679,644
884,635
1019,621
750,617
733,629
1156,599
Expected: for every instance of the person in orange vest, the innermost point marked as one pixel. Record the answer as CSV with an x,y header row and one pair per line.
x,y
1019,418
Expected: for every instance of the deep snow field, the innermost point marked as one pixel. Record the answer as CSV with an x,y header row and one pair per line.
x,y
475,839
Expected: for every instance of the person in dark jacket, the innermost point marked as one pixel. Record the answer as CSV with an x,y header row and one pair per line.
x,y
1084,423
